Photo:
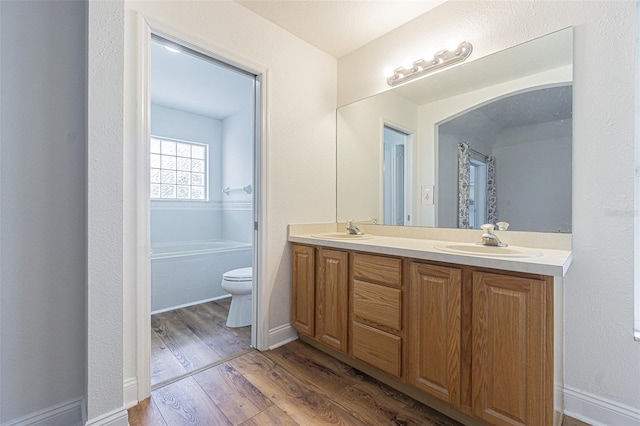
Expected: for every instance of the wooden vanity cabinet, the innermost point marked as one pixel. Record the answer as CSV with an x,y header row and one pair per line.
x,y
320,294
480,340
435,330
377,325
512,375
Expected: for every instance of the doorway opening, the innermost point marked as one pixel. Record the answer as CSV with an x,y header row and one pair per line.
x,y
395,180
203,170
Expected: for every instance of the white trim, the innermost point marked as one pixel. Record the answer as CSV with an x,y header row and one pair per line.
x,y
281,336
598,411
259,332
117,417
130,393
167,204
66,413
636,323
186,305
143,219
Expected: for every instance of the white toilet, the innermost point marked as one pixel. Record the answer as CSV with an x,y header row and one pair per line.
x,y
239,283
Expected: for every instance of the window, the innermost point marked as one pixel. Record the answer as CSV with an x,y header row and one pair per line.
x,y
178,170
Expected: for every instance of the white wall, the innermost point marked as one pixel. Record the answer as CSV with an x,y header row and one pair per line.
x,y
106,229
601,357
42,204
184,220
237,172
299,151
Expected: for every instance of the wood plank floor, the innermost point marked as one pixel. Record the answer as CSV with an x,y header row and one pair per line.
x,y
291,385
188,339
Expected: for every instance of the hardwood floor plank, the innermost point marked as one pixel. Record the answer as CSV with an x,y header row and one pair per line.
x,y
272,416
221,339
302,402
234,395
412,409
369,400
304,362
164,364
188,349
146,413
185,403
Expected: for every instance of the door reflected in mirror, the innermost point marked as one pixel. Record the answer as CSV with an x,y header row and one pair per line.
x,y
394,168
512,113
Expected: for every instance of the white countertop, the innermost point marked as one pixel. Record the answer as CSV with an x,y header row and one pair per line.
x,y
553,262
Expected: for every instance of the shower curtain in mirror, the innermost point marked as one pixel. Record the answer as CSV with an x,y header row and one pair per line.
x,y
464,167
492,195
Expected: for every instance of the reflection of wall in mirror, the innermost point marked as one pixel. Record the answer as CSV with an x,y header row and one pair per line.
x,y
538,168
429,115
360,153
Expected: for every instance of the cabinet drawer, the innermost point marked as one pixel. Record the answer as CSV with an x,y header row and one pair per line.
x,y
381,350
377,303
378,269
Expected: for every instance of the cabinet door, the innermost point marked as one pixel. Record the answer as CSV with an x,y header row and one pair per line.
x,y
434,331
303,289
512,350
332,291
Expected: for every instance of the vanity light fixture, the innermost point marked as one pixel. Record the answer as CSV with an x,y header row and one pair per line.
x,y
420,67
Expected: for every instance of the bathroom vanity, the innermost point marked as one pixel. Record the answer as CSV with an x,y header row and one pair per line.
x,y
480,333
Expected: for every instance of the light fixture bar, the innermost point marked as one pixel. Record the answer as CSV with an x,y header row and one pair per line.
x,y
420,67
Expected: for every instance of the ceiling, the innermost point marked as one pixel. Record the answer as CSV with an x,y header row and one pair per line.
x,y
339,27
551,104
191,83
194,84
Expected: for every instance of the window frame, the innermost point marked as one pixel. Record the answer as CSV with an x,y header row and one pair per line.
x,y
207,190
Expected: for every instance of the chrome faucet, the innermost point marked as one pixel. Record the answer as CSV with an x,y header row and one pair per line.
x,y
489,238
353,229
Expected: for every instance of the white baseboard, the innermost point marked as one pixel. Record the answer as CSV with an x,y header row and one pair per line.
x,y
598,411
117,417
130,393
281,335
186,305
70,413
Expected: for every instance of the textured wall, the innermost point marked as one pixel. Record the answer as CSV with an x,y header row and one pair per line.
x,y
105,232
601,355
43,137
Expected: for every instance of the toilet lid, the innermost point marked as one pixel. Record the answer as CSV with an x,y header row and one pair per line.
x,y
242,274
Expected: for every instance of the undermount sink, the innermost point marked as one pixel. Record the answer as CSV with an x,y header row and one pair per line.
x,y
482,250
342,236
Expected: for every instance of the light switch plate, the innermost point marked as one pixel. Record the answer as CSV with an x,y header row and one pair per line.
x,y
427,194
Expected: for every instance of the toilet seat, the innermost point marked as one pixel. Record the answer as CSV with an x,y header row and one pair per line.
x,y
241,274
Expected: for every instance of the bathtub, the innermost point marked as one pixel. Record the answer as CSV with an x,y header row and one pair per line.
x,y
188,273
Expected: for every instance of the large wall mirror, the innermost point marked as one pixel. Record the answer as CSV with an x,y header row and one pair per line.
x,y
486,141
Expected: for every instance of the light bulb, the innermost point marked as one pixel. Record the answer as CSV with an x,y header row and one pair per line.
x,y
452,45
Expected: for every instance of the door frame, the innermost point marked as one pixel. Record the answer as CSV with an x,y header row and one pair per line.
x,y
260,327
